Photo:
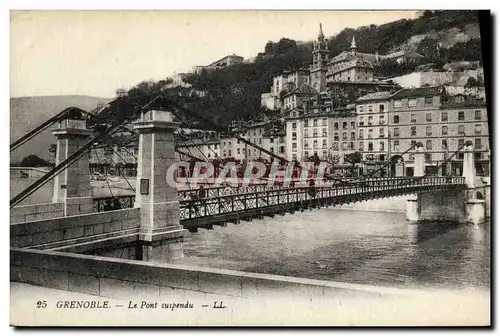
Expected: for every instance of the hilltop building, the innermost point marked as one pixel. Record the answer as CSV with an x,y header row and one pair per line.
x,y
221,63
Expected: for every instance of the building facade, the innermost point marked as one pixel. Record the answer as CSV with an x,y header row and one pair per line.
x,y
390,125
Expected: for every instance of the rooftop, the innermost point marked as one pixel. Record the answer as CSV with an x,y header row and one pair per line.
x,y
383,95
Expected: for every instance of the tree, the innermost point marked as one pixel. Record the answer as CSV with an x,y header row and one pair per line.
x,y
52,150
353,159
34,161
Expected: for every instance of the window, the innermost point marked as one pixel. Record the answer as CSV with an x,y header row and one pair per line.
x,y
324,143
315,144
315,122
444,116
413,131
370,120
444,130
306,122
361,134
282,149
477,143
396,132
353,124
344,146
344,135
428,117
238,151
396,119
360,108
381,108
396,145
398,103
413,118
323,122
306,154
370,108
413,143
294,135
412,102
323,132
428,144
381,120
271,140
428,157
335,146
412,157
306,133
461,130
478,156
294,125
382,146
461,115
428,101
353,135
381,133
361,121
351,145
477,129
260,141
444,144
325,154
272,149
370,146
344,125
361,146
336,126
370,133
461,142
306,144
315,132
294,157
428,130
477,115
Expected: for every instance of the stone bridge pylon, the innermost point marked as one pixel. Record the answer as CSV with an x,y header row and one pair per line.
x,y
452,205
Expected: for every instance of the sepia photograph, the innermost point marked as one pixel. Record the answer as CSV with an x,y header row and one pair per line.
x,y
250,168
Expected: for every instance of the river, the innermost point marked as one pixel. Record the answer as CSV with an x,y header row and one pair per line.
x,y
365,247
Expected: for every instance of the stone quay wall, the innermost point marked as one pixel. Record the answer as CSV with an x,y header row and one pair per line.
x,y
69,230
36,212
122,279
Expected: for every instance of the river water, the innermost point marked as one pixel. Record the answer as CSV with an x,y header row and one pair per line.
x,y
365,247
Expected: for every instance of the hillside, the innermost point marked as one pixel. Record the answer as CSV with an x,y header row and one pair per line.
x,y
26,113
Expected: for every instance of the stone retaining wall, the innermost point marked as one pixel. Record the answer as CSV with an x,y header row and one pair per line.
x,y
61,230
121,279
36,212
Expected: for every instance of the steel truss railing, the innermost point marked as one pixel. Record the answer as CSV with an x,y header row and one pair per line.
x,y
239,203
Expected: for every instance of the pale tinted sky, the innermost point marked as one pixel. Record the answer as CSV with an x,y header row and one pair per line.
x,y
96,52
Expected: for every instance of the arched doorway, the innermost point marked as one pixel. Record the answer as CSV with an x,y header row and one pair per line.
x,y
397,166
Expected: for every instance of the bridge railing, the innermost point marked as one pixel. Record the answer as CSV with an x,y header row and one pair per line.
x,y
191,209
286,195
113,203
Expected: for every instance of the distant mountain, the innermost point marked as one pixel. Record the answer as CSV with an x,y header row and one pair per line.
x,y
26,113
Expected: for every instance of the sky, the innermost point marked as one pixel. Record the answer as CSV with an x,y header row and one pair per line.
x,y
97,52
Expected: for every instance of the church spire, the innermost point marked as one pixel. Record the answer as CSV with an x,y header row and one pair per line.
x,y
320,35
353,44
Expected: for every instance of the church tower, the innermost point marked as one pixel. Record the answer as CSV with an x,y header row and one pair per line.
x,y
319,62
354,47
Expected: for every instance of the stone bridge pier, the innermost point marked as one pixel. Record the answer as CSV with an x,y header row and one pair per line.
x,y
160,232
72,185
456,206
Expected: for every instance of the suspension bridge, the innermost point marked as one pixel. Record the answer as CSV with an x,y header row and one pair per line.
x,y
158,214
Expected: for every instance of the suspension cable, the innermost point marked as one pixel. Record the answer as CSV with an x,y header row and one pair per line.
x,y
105,175
77,155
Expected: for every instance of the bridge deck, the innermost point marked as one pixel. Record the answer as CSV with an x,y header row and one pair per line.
x,y
256,201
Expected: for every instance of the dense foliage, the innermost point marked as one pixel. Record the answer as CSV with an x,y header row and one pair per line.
x,y
235,92
33,161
